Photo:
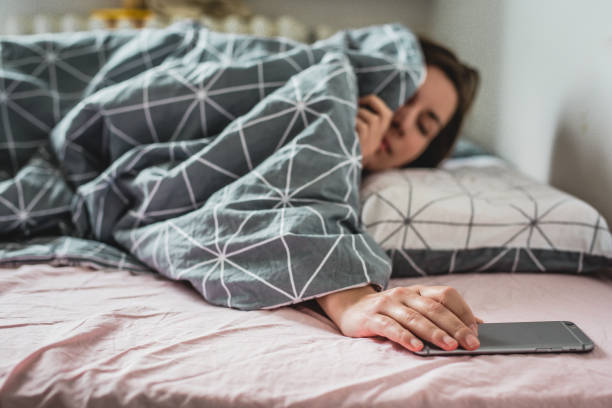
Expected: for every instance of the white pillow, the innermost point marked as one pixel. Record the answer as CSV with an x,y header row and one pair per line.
x,y
479,215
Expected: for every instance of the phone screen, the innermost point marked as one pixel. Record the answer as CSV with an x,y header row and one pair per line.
x,y
522,337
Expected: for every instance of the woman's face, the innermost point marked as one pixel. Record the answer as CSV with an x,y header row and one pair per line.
x,y
416,123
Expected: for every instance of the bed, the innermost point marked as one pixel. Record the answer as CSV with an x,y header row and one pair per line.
x,y
77,337
85,324
82,337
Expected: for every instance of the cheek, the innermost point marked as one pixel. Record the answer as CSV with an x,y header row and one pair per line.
x,y
411,147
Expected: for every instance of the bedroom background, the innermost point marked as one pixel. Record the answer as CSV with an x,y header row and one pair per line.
x,y
168,318
546,71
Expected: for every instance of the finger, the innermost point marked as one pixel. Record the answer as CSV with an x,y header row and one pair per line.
x,y
375,125
387,327
451,299
362,128
370,101
414,321
366,115
479,320
363,133
378,105
443,318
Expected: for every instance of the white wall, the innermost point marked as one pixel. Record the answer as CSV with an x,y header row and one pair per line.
x,y
547,86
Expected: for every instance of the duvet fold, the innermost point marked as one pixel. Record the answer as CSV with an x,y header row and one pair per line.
x,y
227,161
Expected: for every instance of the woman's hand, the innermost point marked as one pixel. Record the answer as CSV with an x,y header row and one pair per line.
x,y
373,120
404,314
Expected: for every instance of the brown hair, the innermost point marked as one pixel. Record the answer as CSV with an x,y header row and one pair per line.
x,y
466,80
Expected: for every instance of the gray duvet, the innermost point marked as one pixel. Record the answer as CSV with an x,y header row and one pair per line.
x,y
230,162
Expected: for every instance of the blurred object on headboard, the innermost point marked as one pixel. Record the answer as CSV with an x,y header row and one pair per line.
x,y
119,18
230,16
196,8
134,4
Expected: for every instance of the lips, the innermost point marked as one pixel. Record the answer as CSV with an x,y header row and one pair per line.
x,y
385,145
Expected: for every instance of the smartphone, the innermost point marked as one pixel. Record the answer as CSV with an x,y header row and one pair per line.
x,y
521,337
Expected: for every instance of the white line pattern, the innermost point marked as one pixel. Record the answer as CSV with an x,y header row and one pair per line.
x,y
229,161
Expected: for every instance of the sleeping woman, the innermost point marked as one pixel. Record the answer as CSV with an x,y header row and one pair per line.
x,y
420,133
141,154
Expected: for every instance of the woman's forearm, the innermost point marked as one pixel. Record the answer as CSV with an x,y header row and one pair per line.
x,y
335,303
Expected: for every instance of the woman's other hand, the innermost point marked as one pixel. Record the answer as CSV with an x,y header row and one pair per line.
x,y
405,315
373,120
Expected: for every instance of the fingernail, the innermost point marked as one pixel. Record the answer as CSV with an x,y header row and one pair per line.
x,y
415,343
474,328
449,340
472,341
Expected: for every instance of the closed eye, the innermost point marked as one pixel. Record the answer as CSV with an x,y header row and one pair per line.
x,y
423,130
396,126
431,119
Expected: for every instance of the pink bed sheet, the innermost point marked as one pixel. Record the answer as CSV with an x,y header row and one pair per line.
x,y
77,337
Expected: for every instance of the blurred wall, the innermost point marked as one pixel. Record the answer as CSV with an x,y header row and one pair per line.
x,y
340,14
337,14
546,101
26,7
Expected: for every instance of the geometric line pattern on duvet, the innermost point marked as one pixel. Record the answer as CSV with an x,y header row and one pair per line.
x,y
55,60
57,65
229,161
221,257
283,196
25,215
68,251
297,107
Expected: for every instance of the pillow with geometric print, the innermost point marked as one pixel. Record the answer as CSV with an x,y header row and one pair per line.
x,y
480,215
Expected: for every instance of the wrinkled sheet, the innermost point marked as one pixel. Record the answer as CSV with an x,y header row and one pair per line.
x,y
77,337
